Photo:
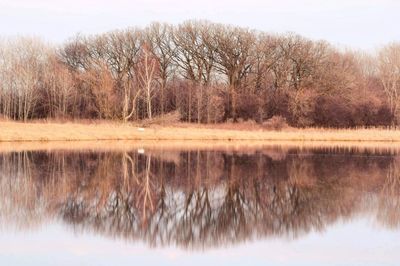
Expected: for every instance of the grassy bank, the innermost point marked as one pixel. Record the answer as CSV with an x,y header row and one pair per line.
x,y
42,131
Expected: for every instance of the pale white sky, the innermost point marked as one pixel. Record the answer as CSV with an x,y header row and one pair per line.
x,y
365,24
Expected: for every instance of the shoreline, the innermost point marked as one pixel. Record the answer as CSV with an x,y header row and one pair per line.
x,y
73,131
233,146
114,136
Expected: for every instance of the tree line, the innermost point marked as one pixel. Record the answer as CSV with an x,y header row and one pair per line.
x,y
208,72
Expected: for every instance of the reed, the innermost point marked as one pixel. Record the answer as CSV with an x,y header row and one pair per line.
x,y
76,131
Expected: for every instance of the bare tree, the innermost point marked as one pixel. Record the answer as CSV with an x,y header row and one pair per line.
x,y
23,61
389,73
195,58
159,40
58,88
234,56
147,73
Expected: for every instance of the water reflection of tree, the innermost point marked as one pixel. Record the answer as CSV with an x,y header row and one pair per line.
x,y
203,198
389,200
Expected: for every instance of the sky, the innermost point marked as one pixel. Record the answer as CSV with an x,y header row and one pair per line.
x,y
355,24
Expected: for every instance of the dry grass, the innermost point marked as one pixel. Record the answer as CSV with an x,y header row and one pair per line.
x,y
43,131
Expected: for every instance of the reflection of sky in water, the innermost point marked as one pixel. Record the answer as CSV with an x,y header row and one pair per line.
x,y
354,243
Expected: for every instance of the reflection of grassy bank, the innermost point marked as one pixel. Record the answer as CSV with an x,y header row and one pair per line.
x,y
12,131
242,146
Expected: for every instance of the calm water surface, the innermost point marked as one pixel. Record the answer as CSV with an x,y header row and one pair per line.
x,y
272,206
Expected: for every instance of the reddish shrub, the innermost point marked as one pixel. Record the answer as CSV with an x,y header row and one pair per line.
x,y
275,123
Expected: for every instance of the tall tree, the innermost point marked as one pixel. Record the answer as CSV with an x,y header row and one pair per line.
x,y
234,56
159,40
389,73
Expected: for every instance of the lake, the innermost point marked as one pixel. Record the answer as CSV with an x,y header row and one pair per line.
x,y
274,205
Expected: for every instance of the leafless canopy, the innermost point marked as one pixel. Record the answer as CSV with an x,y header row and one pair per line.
x,y
208,72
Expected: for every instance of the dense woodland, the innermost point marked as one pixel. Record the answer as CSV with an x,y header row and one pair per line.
x,y
208,72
